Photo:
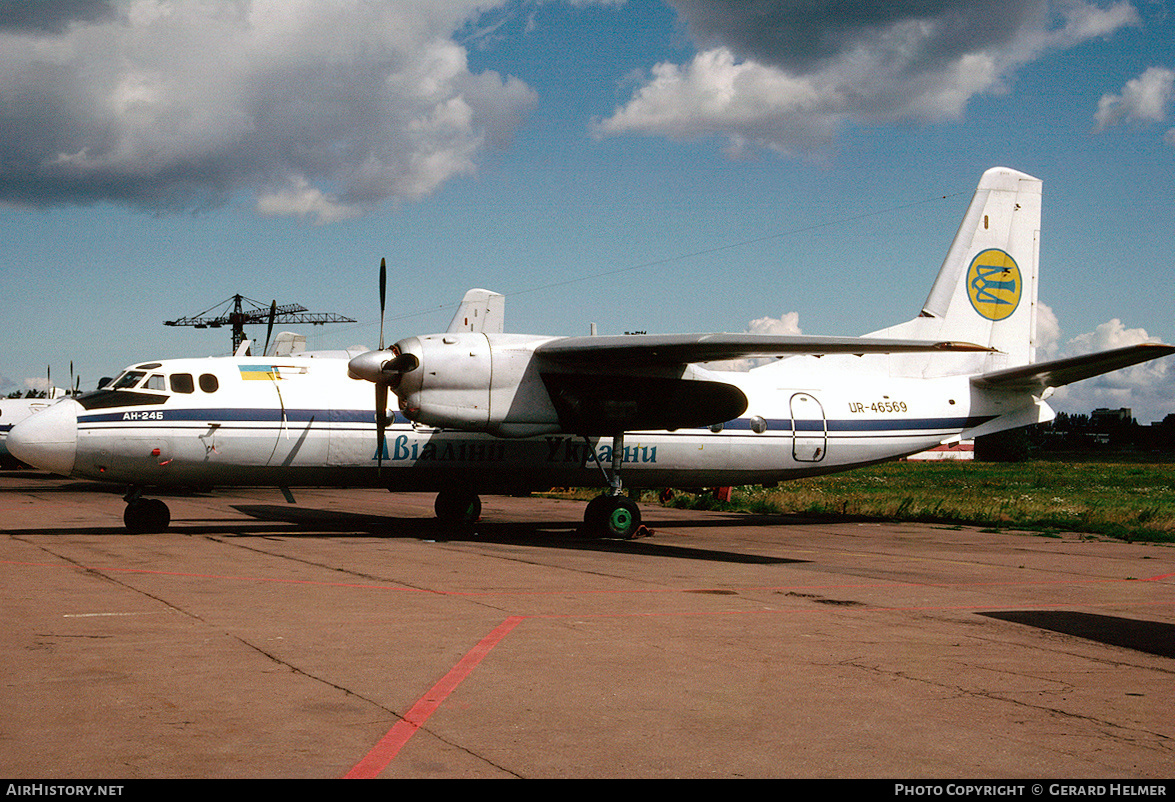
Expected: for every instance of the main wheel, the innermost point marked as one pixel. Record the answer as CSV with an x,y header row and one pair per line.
x,y
145,516
457,507
612,516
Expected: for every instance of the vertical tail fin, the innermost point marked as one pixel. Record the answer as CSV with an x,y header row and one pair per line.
x,y
986,289
482,311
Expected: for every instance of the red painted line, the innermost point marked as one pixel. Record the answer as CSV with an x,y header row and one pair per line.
x,y
390,745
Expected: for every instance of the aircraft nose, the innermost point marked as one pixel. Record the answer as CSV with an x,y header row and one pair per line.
x,y
48,439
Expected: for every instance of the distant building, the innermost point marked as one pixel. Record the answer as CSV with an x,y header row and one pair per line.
x,y
1103,416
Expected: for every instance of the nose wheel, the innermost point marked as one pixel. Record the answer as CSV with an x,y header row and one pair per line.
x,y
145,515
457,507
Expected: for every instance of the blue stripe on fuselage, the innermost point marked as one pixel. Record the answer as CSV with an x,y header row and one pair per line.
x,y
235,414
868,425
272,415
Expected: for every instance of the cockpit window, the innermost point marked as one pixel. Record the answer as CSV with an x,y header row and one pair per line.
x,y
128,380
182,383
209,383
155,382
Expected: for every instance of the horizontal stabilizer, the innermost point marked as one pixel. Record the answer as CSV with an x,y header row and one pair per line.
x,y
684,349
1059,372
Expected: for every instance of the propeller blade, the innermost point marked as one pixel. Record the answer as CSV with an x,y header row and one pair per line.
x,y
269,331
383,290
370,366
381,421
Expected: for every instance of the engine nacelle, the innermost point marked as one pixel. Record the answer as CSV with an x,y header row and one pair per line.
x,y
475,382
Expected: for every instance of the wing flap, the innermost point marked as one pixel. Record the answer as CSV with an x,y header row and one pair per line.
x,y
1059,372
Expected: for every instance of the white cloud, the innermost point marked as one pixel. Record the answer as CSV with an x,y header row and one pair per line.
x,y
322,109
1111,334
1048,332
717,94
1148,389
300,199
1143,99
787,324
784,77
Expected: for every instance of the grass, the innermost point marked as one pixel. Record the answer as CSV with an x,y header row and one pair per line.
x,y
1133,502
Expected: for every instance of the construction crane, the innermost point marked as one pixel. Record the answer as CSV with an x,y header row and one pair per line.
x,y
239,316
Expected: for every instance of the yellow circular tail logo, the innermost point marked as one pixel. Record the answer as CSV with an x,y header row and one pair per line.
x,y
994,284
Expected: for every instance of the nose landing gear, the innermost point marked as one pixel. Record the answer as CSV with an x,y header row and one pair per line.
x,y
144,515
457,506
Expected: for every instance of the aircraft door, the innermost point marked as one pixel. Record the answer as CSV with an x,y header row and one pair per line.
x,y
302,431
809,428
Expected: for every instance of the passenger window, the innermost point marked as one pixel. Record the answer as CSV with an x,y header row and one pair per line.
x,y
208,383
155,382
182,383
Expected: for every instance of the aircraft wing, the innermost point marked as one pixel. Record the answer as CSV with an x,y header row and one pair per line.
x,y
1059,372
683,349
624,383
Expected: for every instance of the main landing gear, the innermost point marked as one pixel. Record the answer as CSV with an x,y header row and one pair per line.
x,y
144,515
613,514
610,516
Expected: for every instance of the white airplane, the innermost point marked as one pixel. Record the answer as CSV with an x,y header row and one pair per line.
x,y
481,411
14,410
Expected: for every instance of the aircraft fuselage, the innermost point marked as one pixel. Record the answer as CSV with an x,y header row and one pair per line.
x,y
302,421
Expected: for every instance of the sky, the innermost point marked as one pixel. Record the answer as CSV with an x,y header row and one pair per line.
x,y
652,165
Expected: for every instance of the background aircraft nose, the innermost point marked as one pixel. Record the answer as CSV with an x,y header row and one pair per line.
x,y
48,439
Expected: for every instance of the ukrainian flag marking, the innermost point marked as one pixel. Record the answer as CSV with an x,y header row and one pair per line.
x,y
257,372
